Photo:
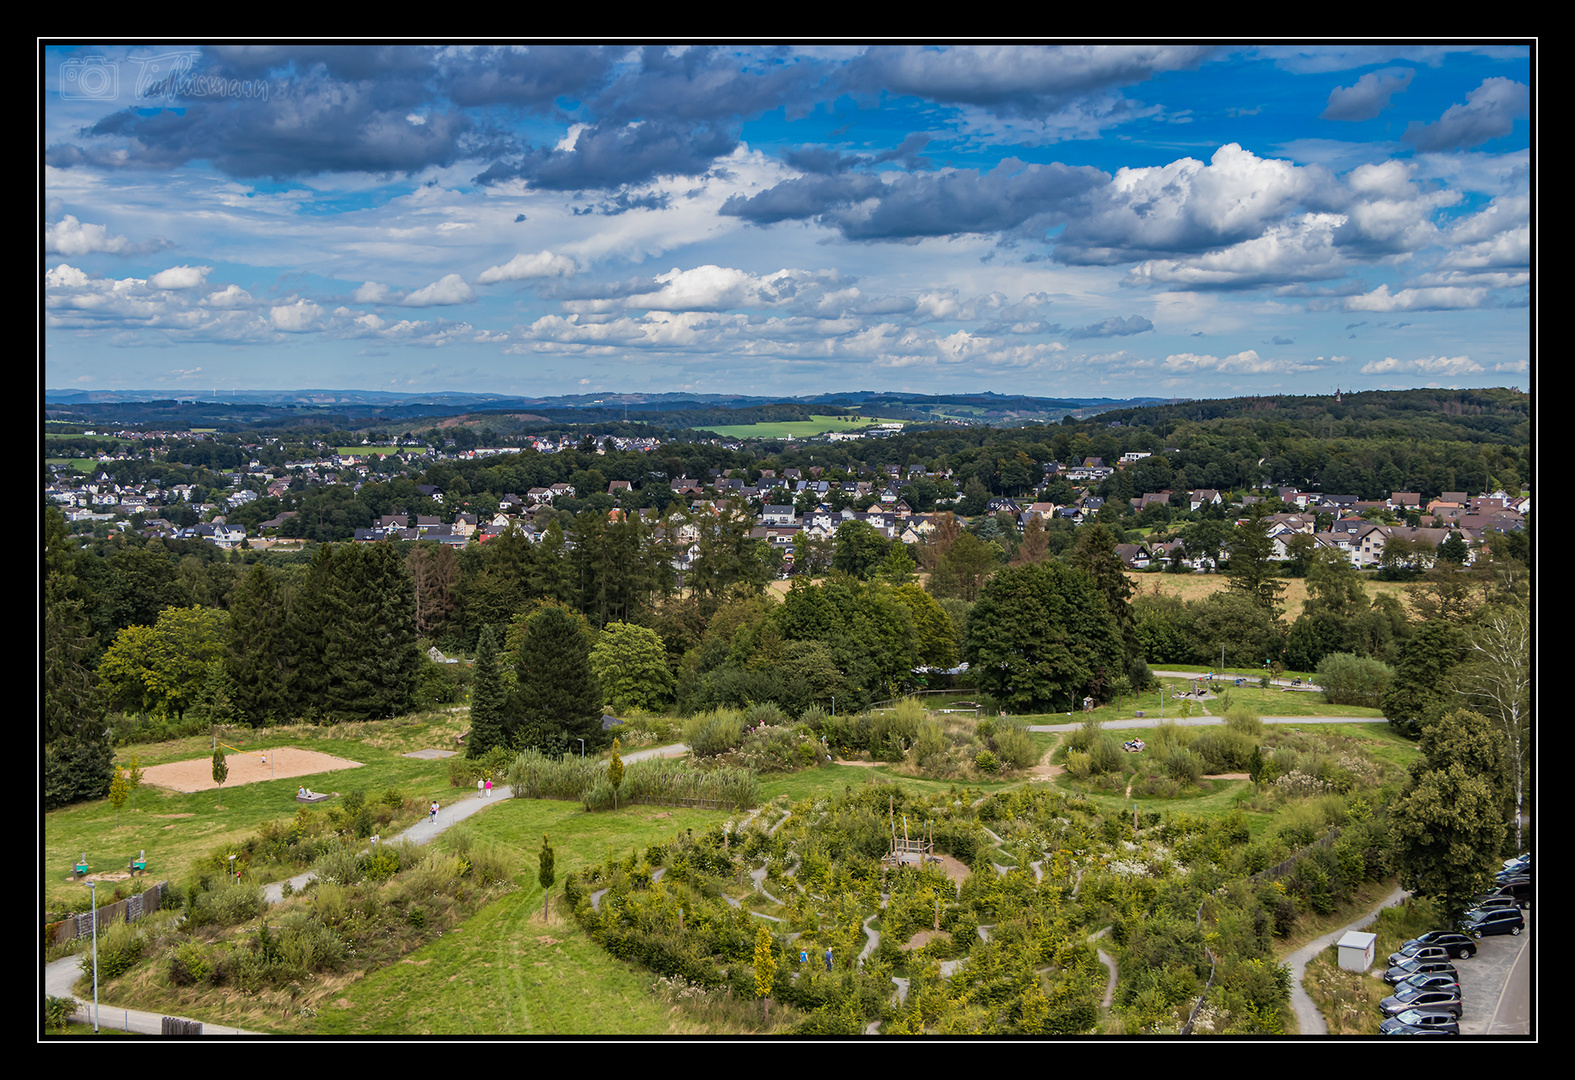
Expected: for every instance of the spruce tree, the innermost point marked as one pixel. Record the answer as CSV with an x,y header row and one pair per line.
x,y
487,699
559,701
258,649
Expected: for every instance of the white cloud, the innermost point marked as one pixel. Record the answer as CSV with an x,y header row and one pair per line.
x,y
370,293
1443,298
449,289
296,318
68,236
181,277
1427,365
543,264
229,296
1300,250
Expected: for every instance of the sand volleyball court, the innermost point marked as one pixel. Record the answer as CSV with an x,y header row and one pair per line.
x,y
246,767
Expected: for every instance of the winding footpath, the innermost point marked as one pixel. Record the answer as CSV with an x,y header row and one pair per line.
x,y
62,975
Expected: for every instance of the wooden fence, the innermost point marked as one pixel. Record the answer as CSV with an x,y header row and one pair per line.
x,y
130,909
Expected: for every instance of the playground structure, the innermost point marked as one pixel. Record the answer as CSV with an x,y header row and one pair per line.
x,y
906,851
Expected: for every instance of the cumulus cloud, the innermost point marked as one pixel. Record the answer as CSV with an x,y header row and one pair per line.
x,y
1300,250
180,277
543,264
370,293
449,289
1444,298
1369,97
1247,362
297,318
68,236
1427,365
1186,206
1490,111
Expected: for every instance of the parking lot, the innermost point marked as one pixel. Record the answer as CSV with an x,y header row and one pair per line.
x,y
1495,985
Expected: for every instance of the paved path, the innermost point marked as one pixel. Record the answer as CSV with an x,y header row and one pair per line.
x,y
61,975
1309,1021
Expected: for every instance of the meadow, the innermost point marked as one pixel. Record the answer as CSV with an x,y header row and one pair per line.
x,y
797,429
507,967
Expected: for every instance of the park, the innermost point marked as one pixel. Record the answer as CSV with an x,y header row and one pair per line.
x,y
1055,897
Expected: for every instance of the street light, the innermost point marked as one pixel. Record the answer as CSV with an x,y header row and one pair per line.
x,y
582,747
93,893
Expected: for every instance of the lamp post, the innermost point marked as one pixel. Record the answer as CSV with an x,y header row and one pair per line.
x,y
582,747
93,893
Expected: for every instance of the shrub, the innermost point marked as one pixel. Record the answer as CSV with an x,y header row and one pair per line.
x,y
1015,747
716,732
189,965
1244,720
57,1012
1353,680
1183,766
1078,764
1104,755
986,762
119,948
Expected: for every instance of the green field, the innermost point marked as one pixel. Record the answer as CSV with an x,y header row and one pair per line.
x,y
363,451
507,969
798,429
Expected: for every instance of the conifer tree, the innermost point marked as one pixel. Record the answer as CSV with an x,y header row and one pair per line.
x,y
559,701
488,703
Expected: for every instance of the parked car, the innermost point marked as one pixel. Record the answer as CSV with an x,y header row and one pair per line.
x,y
1491,901
1446,998
1421,1022
1429,979
1481,923
1421,952
1458,945
1504,877
1407,968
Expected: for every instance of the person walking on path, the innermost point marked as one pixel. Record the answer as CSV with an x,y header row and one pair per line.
x,y
489,787
432,813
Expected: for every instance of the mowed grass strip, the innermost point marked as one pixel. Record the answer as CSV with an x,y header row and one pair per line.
x,y
508,970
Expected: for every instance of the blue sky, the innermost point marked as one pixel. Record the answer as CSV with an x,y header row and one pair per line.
x,y
1170,219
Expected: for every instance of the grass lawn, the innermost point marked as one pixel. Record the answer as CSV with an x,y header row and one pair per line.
x,y
798,429
363,451
509,971
178,829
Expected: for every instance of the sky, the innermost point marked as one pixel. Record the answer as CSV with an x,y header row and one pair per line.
x,y
1166,219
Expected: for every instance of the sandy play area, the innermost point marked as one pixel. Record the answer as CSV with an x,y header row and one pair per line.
x,y
245,768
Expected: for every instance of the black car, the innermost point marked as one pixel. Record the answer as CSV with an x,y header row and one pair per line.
x,y
1421,1022
1480,922
1407,968
1446,998
1455,944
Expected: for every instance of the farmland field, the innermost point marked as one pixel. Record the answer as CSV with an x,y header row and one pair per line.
x,y
798,429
